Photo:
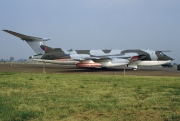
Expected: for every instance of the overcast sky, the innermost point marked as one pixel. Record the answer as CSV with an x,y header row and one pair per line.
x,y
91,24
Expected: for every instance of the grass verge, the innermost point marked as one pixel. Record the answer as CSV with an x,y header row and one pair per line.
x,y
25,96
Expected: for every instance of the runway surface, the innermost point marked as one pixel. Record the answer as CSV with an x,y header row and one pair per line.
x,y
54,68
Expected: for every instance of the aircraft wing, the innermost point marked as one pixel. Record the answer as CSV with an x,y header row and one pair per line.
x,y
58,61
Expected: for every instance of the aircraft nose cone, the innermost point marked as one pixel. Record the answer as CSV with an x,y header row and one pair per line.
x,y
169,58
172,59
162,56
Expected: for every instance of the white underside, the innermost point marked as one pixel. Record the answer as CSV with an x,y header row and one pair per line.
x,y
149,63
109,64
133,64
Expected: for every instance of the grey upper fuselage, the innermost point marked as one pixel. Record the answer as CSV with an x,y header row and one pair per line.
x,y
145,55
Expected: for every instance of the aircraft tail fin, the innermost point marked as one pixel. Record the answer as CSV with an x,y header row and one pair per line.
x,y
33,42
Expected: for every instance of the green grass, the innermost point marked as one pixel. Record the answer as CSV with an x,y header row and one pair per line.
x,y
26,96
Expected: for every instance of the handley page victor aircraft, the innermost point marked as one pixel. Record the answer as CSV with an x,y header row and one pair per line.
x,y
92,58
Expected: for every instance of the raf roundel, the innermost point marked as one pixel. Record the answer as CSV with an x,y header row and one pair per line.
x,y
44,48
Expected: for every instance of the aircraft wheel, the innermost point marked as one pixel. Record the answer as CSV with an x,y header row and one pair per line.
x,y
104,68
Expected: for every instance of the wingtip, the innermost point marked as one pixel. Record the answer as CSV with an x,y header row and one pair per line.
x,y
5,30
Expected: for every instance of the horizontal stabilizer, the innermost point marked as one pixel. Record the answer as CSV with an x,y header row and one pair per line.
x,y
25,37
33,42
